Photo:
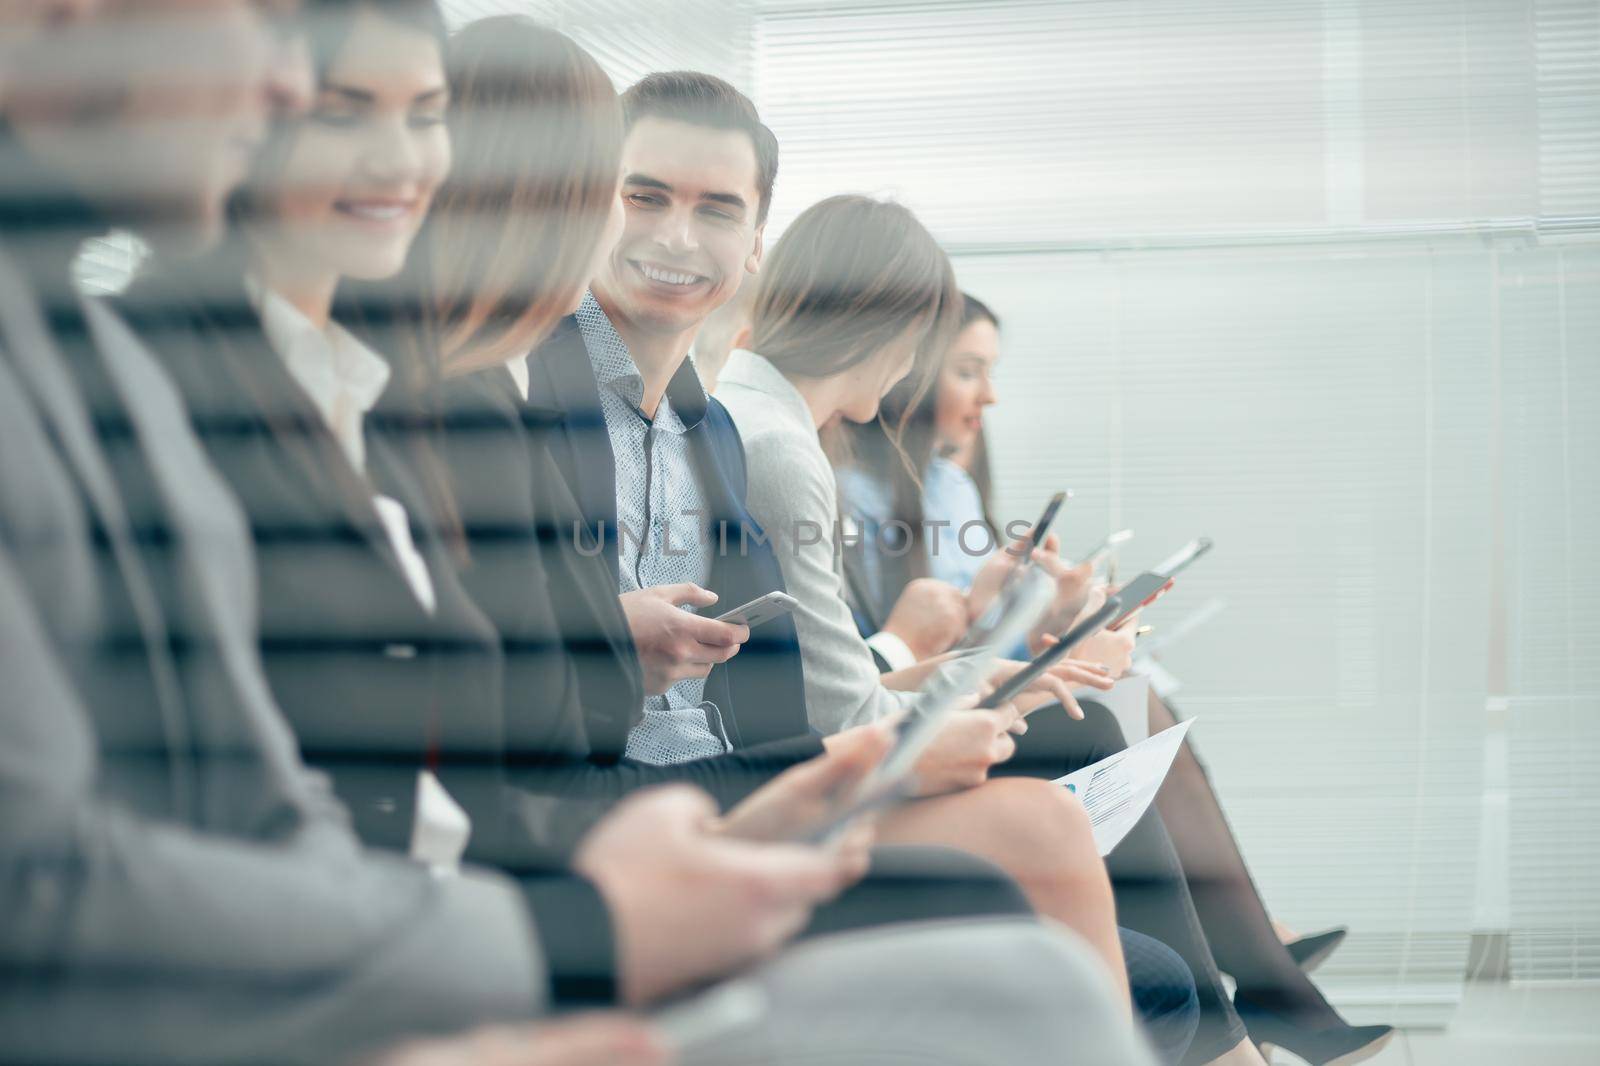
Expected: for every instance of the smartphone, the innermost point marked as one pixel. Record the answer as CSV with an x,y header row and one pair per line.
x,y
1183,557
1106,547
761,609
1141,592
1036,535
1041,528
1152,584
1076,635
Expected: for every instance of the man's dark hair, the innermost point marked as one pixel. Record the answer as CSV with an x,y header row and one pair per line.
x,y
706,100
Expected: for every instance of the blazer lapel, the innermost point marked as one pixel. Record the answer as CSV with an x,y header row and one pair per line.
x,y
37,361
717,482
323,507
561,377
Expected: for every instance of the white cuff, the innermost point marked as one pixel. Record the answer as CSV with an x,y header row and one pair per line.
x,y
894,651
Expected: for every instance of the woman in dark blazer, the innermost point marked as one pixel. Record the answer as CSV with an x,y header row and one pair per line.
x,y
375,651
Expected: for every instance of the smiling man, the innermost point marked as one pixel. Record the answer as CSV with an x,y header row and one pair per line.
x,y
698,169
654,462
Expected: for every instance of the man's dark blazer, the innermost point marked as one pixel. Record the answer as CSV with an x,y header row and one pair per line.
x,y
536,568
530,565
761,691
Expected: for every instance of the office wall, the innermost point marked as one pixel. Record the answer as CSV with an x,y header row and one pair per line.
x,y
1317,278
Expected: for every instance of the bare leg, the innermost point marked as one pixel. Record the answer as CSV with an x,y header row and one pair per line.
x,y
1040,835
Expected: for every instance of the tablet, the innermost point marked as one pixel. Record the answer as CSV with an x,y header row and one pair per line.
x,y
1067,641
956,678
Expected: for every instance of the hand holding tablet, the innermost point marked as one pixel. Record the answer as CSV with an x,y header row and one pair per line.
x,y
949,691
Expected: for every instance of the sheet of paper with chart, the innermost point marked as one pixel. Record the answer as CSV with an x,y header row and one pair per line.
x,y
1116,791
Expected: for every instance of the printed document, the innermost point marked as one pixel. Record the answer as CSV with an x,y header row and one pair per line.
x,y
1116,791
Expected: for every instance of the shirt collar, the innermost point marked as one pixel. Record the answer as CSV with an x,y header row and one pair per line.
x,y
518,369
324,363
683,406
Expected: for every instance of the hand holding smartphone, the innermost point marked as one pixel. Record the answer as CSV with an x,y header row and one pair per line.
x,y
1138,594
1041,528
761,609
1153,584
1023,560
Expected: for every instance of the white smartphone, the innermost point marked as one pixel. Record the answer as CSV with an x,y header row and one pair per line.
x,y
1184,556
1107,546
761,609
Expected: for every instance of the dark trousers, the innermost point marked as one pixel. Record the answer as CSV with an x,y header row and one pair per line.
x,y
1164,997
908,883
1147,878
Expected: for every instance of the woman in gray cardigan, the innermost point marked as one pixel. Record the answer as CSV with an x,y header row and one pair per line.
x,y
855,297
896,287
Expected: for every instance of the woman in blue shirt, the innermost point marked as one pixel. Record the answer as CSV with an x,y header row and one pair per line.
x,y
940,526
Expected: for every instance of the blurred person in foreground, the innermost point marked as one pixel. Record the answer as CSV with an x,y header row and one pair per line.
x,y
178,887
305,372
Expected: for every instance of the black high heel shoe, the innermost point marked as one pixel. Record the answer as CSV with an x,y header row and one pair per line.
x,y
1338,1045
1312,951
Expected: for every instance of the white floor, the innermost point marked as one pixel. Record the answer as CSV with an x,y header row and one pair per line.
x,y
1504,1025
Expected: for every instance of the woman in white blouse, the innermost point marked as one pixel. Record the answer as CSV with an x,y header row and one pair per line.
x,y
377,655
867,288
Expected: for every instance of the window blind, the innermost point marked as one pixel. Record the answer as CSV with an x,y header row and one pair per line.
x,y
1568,43
1550,340
631,38
1031,122
1318,412
1290,262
